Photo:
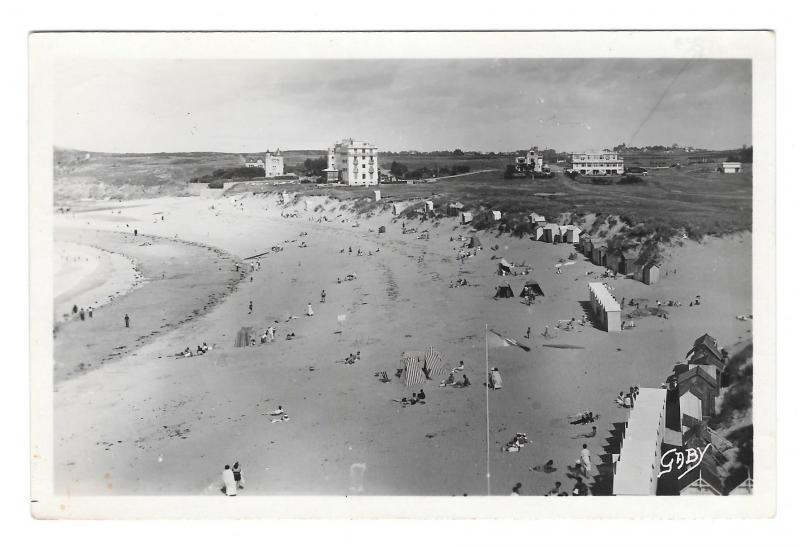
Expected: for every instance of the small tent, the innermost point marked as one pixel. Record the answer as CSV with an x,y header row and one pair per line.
x,y
382,230
474,242
504,291
243,337
532,289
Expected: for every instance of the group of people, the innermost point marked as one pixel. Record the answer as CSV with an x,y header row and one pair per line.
x,y
518,441
584,417
82,313
268,335
459,283
201,350
232,480
626,400
413,400
351,359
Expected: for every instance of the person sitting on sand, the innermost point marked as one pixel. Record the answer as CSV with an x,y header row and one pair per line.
x,y
555,490
460,366
515,491
449,381
199,350
187,352
413,399
290,336
206,348
465,381
546,468
421,395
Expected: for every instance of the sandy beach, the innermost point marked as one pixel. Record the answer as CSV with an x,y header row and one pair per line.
x,y
140,411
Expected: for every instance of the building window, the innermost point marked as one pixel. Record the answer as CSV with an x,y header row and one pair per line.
x,y
363,177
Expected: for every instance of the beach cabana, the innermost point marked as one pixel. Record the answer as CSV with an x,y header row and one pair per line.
x,y
599,254
308,205
429,206
532,289
496,215
538,233
504,267
398,208
627,263
243,337
377,195
504,291
474,242
466,217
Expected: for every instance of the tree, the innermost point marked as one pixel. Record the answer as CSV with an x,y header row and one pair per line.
x,y
458,152
398,169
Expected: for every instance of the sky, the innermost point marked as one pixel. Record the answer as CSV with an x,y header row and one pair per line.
x,y
474,104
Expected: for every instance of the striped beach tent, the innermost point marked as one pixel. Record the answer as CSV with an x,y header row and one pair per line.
x,y
434,364
413,375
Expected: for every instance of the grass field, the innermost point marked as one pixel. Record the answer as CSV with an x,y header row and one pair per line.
x,y
694,198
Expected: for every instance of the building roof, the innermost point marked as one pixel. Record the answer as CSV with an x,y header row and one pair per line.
x,y
604,297
636,467
702,357
254,160
707,342
684,383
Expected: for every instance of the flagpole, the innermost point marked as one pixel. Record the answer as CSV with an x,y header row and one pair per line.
x,y
488,443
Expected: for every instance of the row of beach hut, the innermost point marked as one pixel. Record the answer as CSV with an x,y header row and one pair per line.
x,y
620,262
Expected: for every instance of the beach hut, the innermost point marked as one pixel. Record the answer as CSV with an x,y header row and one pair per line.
x,y
504,291
308,205
599,254
243,337
504,267
496,215
474,242
466,217
550,232
455,209
531,289
429,206
613,261
585,242
650,274
628,262
538,233
570,234
377,195
398,208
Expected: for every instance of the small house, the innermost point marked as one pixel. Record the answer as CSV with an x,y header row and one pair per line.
x,y
466,217
731,167
537,220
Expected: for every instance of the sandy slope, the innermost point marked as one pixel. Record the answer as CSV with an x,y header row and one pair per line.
x,y
152,424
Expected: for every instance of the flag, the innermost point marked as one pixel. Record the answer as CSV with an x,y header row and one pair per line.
x,y
412,371
434,364
499,341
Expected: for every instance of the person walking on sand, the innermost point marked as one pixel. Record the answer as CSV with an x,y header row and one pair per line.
x,y
310,311
74,309
127,321
250,306
237,476
528,334
91,311
322,296
586,461
82,314
228,482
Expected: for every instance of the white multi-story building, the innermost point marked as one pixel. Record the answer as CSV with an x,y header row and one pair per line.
x,y
273,163
604,162
534,160
354,163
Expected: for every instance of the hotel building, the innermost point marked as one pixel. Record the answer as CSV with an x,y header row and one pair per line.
x,y
354,163
605,162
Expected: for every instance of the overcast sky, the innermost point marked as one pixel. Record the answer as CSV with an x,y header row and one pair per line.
x,y
489,105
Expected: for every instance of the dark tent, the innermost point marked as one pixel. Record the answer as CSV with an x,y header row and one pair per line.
x,y
532,289
243,337
382,230
504,291
474,242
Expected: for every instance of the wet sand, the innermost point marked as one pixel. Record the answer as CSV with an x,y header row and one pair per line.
x,y
148,423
